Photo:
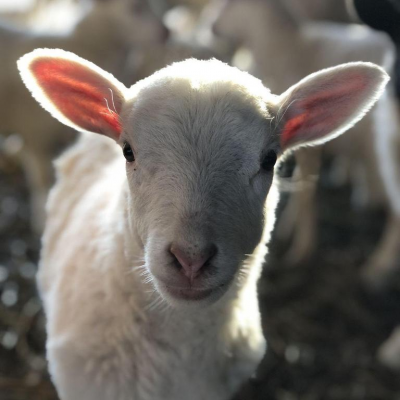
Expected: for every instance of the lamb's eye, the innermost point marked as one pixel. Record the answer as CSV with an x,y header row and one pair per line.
x,y
128,152
269,160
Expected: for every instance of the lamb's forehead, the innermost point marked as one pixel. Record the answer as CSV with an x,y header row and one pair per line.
x,y
204,76
193,95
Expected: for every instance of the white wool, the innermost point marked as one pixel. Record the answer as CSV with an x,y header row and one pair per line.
x,y
199,130
128,344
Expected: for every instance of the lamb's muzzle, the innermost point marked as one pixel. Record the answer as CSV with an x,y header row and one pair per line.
x,y
193,262
185,220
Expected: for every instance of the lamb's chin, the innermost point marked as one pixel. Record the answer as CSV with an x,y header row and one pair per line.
x,y
183,298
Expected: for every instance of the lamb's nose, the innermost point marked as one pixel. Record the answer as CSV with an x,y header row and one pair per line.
x,y
193,262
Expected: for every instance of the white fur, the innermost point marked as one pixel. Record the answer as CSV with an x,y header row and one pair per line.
x,y
198,129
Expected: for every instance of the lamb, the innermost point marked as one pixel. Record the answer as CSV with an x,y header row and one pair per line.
x,y
105,36
264,26
149,265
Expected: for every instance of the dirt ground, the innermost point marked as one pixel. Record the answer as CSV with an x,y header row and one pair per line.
x,y
322,327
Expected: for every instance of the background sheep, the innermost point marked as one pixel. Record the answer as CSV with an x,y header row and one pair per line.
x,y
314,46
329,10
107,34
385,16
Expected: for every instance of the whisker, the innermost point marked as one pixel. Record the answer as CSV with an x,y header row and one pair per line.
x,y
112,99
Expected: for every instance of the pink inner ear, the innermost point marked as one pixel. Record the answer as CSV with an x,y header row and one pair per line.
x,y
290,129
80,94
324,110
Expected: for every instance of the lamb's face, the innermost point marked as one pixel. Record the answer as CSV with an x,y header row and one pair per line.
x,y
203,165
201,140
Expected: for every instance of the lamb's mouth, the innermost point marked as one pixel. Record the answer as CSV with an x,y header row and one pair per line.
x,y
189,294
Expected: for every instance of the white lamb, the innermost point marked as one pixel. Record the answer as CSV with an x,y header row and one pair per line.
x,y
149,267
271,27
106,35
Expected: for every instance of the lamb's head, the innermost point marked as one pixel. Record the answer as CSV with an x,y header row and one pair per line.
x,y
200,140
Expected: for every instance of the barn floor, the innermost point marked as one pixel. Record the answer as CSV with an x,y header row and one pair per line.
x,y
322,327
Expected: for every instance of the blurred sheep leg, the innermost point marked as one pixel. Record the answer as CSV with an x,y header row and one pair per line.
x,y
382,264
389,352
39,173
385,260
299,217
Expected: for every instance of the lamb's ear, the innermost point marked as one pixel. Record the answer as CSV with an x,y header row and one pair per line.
x,y
76,92
325,104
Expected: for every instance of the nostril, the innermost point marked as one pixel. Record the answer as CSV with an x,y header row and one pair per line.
x,y
191,263
210,253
